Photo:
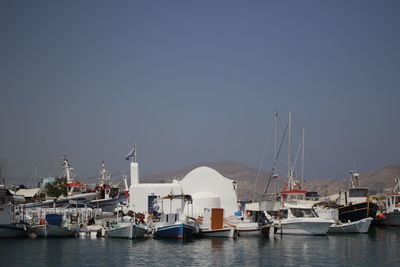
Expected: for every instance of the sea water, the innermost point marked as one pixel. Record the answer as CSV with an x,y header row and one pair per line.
x,y
380,247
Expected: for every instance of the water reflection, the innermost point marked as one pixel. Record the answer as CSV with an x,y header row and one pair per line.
x,y
375,249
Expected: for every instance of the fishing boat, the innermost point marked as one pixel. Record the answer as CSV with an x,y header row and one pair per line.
x,y
391,212
54,226
107,194
175,225
171,228
8,225
355,203
130,227
127,228
75,189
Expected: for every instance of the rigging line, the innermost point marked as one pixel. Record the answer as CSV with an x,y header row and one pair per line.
x,y
297,155
261,164
276,159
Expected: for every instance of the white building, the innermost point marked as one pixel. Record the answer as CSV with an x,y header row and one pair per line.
x,y
208,188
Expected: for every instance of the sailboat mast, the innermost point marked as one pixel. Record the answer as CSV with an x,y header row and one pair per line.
x,y
275,157
302,161
290,182
276,116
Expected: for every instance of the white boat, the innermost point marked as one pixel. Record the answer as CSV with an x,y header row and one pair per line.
x,y
245,226
228,232
92,231
357,227
339,227
129,230
298,220
8,226
212,224
248,229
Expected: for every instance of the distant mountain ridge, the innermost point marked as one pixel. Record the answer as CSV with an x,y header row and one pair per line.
x,y
250,187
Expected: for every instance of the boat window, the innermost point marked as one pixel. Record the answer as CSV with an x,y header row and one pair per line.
x,y
310,213
358,192
307,213
397,201
296,212
281,214
285,213
114,192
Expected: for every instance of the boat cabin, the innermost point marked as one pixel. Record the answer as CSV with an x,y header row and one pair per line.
x,y
353,196
75,188
392,203
293,195
297,212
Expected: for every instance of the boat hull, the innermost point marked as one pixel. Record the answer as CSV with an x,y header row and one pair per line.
x,y
356,212
248,229
11,230
179,231
297,227
129,231
357,227
392,219
52,231
220,233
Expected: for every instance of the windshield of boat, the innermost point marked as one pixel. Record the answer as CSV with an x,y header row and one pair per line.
x,y
358,192
307,213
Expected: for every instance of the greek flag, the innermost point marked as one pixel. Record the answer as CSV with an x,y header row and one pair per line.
x,y
131,154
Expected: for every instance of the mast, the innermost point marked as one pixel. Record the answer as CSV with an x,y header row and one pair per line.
x,y
67,170
275,174
276,116
302,162
290,178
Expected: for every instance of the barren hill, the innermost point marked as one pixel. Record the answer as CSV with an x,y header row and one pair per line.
x,y
249,186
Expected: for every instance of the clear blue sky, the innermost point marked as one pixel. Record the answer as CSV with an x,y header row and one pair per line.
x,y
193,81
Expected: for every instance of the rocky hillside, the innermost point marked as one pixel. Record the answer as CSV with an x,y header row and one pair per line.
x,y
377,181
249,186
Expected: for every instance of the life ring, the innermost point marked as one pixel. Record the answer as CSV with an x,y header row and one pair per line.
x,y
42,221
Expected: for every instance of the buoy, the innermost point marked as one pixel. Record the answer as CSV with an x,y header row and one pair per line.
x,y
380,216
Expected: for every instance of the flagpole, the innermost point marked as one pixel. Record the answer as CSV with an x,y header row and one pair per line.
x,y
135,154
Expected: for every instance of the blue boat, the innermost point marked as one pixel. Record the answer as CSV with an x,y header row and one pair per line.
x,y
170,225
180,231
